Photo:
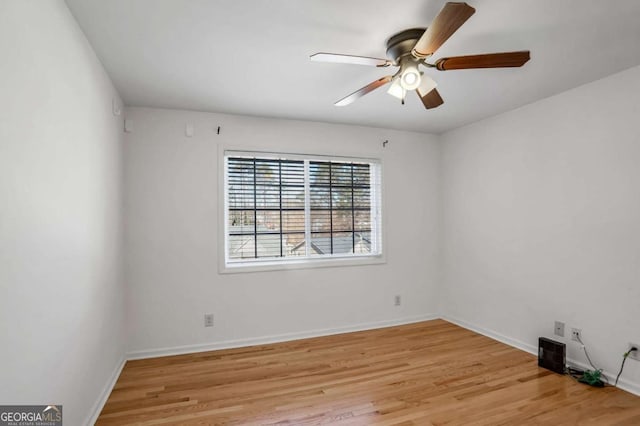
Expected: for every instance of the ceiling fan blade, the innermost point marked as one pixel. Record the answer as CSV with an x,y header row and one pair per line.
x,y
490,60
450,18
431,99
350,59
361,92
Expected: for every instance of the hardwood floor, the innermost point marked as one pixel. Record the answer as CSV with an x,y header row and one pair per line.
x,y
429,373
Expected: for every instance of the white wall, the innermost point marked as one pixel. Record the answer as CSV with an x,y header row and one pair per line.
x,y
538,207
61,293
171,206
542,221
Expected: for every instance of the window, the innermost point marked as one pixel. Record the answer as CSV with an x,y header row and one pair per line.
x,y
282,208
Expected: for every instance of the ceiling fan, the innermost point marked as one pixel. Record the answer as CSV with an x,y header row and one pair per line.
x,y
411,48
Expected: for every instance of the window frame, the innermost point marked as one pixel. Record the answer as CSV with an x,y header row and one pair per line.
x,y
328,260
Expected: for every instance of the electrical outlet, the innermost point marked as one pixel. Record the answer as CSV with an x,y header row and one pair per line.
x,y
576,334
558,329
208,320
397,300
635,354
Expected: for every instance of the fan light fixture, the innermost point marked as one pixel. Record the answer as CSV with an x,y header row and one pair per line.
x,y
410,78
427,84
396,90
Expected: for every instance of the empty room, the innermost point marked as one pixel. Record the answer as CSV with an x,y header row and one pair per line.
x,y
232,212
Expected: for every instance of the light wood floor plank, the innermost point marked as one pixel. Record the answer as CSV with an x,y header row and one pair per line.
x,y
428,373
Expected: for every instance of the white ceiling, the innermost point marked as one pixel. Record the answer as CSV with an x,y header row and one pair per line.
x,y
252,57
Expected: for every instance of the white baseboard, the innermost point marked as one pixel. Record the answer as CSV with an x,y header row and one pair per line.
x,y
276,338
106,391
623,384
494,335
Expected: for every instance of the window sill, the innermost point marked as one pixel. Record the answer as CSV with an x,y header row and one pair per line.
x,y
301,264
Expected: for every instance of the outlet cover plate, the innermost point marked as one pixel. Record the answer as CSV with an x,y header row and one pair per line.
x,y
208,320
576,334
558,328
635,354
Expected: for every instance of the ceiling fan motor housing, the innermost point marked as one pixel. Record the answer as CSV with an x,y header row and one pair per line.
x,y
400,44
